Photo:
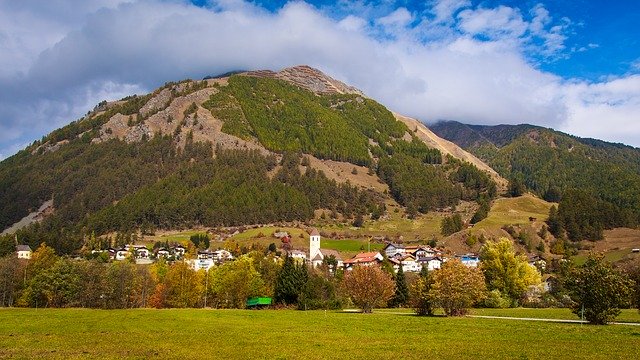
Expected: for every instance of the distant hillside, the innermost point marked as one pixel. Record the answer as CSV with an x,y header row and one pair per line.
x,y
241,149
603,178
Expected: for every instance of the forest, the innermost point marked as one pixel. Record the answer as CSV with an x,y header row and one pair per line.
x,y
586,176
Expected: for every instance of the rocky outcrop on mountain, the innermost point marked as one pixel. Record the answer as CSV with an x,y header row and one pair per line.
x,y
308,78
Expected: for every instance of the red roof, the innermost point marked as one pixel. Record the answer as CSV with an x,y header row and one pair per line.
x,y
365,257
314,232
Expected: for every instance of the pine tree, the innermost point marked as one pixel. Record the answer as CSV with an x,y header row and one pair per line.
x,y
290,282
401,295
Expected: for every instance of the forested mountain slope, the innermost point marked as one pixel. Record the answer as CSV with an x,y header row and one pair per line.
x,y
226,151
599,182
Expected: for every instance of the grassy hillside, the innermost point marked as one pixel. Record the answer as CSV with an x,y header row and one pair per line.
x,y
514,211
236,334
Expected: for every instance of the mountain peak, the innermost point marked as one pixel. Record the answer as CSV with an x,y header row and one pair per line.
x,y
308,78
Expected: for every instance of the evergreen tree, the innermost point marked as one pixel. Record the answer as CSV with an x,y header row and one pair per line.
x,y
290,282
401,296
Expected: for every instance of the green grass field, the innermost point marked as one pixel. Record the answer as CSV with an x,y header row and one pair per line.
x,y
288,334
511,211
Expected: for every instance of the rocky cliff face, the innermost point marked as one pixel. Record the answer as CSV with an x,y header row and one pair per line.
x,y
308,78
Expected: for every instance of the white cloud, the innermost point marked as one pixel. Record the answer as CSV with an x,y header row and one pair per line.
x,y
134,47
445,10
495,23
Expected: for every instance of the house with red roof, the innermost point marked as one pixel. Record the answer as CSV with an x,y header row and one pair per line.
x,y
364,259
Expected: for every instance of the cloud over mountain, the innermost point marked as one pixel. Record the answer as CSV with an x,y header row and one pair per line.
x,y
450,61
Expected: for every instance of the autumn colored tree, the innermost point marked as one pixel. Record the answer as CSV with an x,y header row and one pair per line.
x,y
368,287
11,280
598,290
505,271
420,293
183,286
457,287
234,282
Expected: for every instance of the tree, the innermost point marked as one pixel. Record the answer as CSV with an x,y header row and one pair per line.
x,y
184,286
420,297
451,224
516,187
598,290
457,287
368,287
359,221
505,271
401,296
234,282
290,282
11,279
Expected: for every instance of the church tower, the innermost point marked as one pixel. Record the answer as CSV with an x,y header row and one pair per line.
x,y
314,244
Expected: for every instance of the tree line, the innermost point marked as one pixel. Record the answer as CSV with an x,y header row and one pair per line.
x,y
595,290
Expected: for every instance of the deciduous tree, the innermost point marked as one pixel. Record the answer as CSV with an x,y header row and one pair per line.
x,y
457,287
598,290
505,271
368,287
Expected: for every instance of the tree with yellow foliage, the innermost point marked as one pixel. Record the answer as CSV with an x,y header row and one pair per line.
x,y
457,287
506,271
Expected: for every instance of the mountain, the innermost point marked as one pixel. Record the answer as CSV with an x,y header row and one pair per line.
x,y
244,148
598,182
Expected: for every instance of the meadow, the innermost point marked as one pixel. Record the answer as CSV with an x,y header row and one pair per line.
x,y
289,334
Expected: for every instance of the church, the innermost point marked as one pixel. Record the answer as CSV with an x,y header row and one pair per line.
x,y
317,255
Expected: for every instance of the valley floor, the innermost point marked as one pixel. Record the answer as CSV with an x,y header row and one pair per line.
x,y
288,334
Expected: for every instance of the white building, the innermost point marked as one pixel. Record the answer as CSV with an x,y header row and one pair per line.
x,y
121,254
315,255
199,264
431,262
24,252
298,255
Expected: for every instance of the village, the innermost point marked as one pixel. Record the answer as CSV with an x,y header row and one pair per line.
x,y
411,258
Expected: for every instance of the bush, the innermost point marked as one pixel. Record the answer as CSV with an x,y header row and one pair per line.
x,y
496,300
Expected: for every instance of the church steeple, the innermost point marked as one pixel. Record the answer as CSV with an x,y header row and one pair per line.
x,y
314,244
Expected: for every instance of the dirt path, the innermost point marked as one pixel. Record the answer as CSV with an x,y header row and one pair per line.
x,y
546,320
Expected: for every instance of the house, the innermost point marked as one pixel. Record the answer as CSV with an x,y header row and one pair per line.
x,y
205,254
202,264
179,251
162,253
409,264
112,253
392,249
430,262
297,255
221,255
142,253
420,251
470,260
24,252
364,259
121,254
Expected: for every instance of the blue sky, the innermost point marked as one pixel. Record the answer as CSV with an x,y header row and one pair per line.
x,y
572,65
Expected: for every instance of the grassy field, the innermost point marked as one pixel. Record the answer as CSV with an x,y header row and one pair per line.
x,y
512,211
268,334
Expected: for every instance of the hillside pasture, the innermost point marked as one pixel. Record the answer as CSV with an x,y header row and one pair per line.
x,y
289,334
515,211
